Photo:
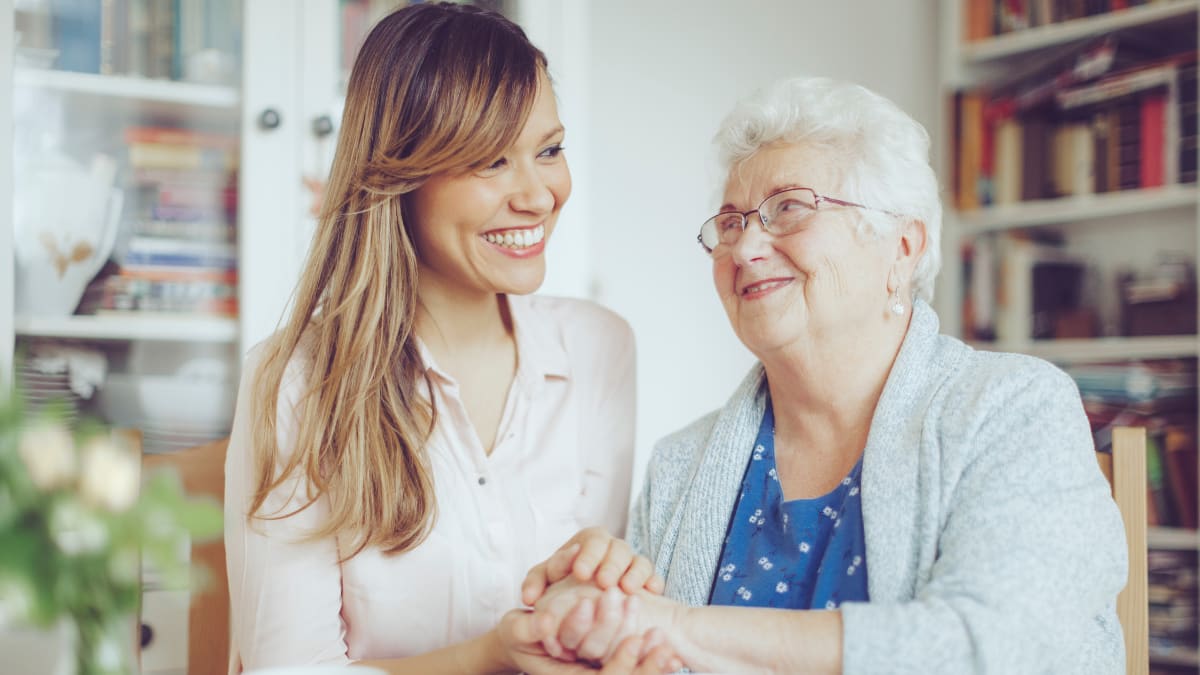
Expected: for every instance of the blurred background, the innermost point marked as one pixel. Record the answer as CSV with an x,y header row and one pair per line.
x,y
168,156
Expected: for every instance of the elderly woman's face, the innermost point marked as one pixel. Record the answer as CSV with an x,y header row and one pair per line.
x,y
826,281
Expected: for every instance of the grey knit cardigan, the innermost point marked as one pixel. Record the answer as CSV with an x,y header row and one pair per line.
x,y
993,544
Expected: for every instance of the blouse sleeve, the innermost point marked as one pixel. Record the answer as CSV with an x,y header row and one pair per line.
x,y
285,593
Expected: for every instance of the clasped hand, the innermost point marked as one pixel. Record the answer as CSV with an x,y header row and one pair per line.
x,y
594,607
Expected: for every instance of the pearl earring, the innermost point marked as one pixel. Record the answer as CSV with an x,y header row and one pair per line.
x,y
897,306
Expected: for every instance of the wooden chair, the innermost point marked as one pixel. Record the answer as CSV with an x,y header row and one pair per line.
x,y
1125,469
202,469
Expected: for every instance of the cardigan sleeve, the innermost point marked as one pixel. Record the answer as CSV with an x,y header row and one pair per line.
x,y
1031,553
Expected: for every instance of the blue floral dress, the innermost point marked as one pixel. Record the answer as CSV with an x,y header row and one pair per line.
x,y
800,554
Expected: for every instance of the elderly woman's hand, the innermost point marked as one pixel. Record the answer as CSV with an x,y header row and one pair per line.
x,y
519,633
596,556
581,622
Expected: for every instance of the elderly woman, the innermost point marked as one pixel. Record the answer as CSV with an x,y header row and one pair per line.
x,y
919,506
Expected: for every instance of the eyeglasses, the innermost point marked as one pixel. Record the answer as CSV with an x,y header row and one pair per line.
x,y
781,213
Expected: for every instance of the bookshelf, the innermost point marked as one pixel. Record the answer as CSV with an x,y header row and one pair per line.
x,y
1097,229
1098,350
136,89
1019,43
1078,210
130,327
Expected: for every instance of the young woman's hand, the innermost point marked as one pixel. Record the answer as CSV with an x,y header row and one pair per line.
x,y
519,636
595,556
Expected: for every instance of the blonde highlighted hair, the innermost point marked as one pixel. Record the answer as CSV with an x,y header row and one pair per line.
x,y
435,88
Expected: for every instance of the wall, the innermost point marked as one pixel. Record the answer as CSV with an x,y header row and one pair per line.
x,y
661,76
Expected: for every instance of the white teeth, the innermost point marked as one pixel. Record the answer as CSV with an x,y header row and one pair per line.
x,y
763,286
517,238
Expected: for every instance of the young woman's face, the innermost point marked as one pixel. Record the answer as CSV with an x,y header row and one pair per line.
x,y
486,231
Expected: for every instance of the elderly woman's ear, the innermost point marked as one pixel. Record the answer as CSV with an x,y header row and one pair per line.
x,y
910,248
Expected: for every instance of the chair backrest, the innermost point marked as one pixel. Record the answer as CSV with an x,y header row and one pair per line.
x,y
202,469
1125,469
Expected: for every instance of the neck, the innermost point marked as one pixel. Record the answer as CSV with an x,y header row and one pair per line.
x,y
455,321
824,390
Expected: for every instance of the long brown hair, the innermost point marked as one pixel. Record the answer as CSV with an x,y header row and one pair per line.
x,y
435,88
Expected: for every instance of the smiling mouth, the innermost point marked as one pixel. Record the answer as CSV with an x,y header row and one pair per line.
x,y
516,239
764,286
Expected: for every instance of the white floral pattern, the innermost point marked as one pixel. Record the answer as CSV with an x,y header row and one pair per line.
x,y
800,554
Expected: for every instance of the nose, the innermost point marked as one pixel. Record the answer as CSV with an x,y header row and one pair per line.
x,y
531,193
753,244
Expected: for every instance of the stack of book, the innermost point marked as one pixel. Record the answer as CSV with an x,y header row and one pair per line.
x,y
165,39
1172,594
987,18
1160,396
1112,115
179,253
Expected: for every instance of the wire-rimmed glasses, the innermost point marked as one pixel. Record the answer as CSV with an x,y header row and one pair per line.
x,y
781,213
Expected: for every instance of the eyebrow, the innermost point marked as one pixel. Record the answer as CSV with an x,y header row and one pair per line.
x,y
553,132
778,188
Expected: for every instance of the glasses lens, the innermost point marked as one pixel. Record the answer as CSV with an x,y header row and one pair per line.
x,y
789,211
708,234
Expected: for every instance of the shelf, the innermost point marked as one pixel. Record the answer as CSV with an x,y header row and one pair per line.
x,y
1101,349
123,87
1075,209
127,327
1176,657
1173,538
1021,42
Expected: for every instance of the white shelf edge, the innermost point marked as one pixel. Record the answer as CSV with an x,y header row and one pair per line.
x,y
133,88
1176,657
1101,349
125,327
1173,538
1075,209
1049,35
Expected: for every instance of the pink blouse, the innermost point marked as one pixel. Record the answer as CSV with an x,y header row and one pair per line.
x,y
562,461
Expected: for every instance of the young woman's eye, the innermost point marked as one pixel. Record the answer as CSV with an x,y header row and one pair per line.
x,y
496,165
552,151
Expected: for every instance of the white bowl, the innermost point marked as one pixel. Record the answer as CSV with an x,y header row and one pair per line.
x,y
166,402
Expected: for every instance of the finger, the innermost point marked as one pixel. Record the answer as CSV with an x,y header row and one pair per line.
x,y
577,624
523,627
661,659
593,549
654,638
640,572
625,660
656,584
535,584
546,628
616,562
555,568
610,617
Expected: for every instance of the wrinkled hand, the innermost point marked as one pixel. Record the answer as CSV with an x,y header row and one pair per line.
x,y
593,555
637,655
578,621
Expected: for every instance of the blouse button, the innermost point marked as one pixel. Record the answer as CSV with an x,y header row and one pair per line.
x,y
482,480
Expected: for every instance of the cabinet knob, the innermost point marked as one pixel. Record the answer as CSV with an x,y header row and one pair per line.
x,y
322,126
146,635
269,119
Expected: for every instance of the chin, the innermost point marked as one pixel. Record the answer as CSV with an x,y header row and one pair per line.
x,y
523,285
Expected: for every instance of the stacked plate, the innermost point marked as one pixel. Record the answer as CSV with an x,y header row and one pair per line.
x,y
173,412
166,438
42,392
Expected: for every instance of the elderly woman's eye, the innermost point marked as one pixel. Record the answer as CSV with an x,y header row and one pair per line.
x,y
730,221
794,205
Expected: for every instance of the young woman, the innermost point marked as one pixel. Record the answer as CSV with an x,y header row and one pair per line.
x,y
420,432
